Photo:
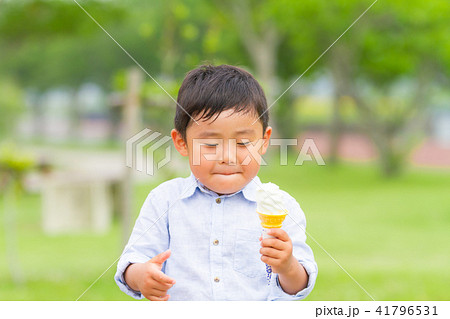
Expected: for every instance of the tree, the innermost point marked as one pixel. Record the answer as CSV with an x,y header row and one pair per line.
x,y
398,63
261,32
397,43
59,45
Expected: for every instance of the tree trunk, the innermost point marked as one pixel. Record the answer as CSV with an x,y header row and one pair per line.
x,y
341,72
390,158
170,56
335,131
132,125
262,48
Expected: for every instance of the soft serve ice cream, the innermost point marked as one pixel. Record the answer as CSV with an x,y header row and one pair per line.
x,y
269,200
269,206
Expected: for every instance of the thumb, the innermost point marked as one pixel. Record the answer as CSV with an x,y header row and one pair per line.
x,y
161,258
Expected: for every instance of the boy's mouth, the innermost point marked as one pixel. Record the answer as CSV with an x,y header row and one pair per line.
x,y
226,173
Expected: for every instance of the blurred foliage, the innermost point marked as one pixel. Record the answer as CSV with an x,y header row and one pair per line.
x,y
60,45
14,164
11,106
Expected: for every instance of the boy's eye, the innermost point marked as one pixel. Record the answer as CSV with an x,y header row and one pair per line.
x,y
210,145
243,143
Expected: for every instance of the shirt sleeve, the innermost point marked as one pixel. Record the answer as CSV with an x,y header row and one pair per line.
x,y
150,237
295,226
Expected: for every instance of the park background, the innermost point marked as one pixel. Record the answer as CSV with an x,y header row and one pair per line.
x,y
376,103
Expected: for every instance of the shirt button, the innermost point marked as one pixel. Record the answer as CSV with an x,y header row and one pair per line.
x,y
218,200
217,279
216,242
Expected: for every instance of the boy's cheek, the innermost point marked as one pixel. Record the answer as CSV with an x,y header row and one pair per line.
x,y
248,158
203,156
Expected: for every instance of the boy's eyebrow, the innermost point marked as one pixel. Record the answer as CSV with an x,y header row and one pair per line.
x,y
218,134
208,133
243,131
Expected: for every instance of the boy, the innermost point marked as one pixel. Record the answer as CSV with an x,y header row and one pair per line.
x,y
198,238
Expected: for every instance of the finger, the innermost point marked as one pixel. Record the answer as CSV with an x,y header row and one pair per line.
x,y
161,258
156,292
154,298
274,243
161,286
162,278
269,261
272,253
279,233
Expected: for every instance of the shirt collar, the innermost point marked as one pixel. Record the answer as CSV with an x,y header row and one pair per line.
x,y
249,190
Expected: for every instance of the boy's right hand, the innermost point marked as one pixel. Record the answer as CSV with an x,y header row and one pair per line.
x,y
149,279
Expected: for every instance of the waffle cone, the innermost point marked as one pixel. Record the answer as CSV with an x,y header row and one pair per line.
x,y
271,221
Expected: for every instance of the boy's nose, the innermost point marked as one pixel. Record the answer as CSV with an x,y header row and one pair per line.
x,y
228,155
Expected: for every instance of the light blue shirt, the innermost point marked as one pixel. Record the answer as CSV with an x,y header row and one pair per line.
x,y
214,243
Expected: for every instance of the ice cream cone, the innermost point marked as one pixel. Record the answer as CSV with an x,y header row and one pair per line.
x,y
272,221
270,200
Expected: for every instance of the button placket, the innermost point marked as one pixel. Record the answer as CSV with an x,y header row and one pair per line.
x,y
216,253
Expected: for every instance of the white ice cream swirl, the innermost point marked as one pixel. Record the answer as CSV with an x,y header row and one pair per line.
x,y
269,200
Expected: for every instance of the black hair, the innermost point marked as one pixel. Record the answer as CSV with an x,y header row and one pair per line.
x,y
209,90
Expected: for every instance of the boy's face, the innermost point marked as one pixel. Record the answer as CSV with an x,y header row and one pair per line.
x,y
224,154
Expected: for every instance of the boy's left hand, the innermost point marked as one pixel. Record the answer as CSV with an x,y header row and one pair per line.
x,y
277,252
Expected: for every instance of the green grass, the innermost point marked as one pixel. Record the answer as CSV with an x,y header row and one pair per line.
x,y
390,235
62,267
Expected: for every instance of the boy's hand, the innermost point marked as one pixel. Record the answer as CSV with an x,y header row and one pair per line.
x,y
150,280
277,252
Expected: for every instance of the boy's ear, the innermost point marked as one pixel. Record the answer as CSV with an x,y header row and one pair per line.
x,y
266,138
179,142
